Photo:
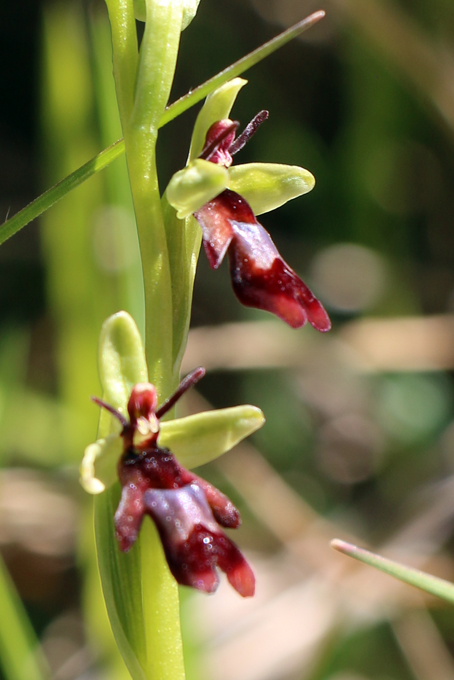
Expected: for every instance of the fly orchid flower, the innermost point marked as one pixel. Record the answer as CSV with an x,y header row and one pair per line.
x,y
188,511
224,199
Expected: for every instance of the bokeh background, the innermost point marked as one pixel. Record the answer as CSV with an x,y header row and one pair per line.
x,y
359,440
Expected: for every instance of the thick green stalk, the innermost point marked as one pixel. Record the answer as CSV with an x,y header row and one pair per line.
x,y
156,67
125,57
141,110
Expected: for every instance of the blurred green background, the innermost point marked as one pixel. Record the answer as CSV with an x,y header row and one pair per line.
x,y
359,440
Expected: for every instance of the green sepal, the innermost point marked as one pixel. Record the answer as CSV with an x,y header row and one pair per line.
x,y
266,186
198,439
217,106
195,185
98,469
122,363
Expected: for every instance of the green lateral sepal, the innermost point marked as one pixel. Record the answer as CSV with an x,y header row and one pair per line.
x,y
199,439
267,186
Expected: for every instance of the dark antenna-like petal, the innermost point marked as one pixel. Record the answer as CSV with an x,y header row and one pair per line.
x,y
249,131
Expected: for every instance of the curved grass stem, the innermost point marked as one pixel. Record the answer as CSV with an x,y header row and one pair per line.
x,y
107,156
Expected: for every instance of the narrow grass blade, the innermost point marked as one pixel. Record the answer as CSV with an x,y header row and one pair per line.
x,y
240,66
430,584
59,190
103,159
19,648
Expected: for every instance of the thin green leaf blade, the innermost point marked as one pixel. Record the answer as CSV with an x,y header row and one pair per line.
x,y
415,577
60,190
104,158
240,66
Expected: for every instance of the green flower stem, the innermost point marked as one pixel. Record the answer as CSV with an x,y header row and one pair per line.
x,y
155,265
160,655
156,67
104,158
158,56
125,52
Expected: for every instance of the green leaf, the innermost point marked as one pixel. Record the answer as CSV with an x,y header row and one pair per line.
x,y
266,186
430,584
59,190
200,438
104,158
243,64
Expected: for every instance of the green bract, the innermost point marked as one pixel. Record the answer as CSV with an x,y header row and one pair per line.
x,y
265,186
195,440
189,11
